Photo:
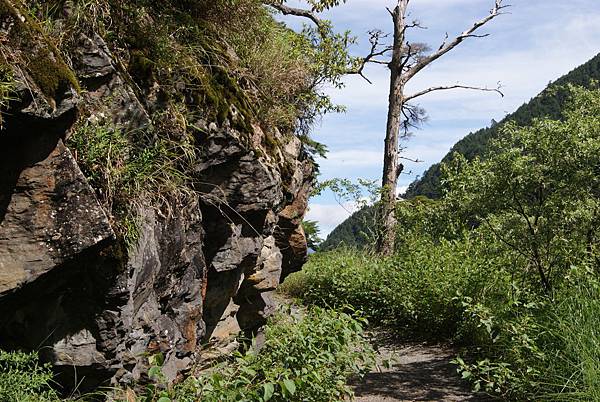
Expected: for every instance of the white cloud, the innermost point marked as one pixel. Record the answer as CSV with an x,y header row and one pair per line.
x,y
355,159
524,58
329,215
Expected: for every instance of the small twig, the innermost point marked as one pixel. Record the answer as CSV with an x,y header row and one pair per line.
x,y
410,160
299,12
375,38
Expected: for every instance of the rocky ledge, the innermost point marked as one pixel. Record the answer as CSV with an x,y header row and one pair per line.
x,y
203,266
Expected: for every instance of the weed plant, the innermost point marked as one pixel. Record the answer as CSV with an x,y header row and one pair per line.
x,y
131,168
24,379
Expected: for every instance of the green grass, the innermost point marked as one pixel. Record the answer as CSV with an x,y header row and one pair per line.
x,y
24,379
131,168
416,294
575,325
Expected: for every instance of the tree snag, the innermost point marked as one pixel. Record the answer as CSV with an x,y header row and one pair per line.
x,y
407,60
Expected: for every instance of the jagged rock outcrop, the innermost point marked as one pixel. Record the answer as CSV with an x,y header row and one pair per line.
x,y
203,265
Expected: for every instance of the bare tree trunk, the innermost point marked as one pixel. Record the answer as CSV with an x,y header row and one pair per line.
x,y
394,121
408,59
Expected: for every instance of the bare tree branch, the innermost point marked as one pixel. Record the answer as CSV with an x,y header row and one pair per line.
x,y
375,39
414,24
414,116
383,62
448,46
444,88
299,12
410,159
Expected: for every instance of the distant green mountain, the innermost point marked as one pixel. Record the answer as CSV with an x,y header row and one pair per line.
x,y
548,103
354,231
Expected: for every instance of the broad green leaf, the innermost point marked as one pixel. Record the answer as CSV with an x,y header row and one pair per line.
x,y
289,386
268,391
154,372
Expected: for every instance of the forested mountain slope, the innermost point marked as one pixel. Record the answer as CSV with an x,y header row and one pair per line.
x,y
353,232
548,103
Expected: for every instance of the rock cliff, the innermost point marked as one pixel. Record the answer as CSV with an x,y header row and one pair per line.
x,y
98,281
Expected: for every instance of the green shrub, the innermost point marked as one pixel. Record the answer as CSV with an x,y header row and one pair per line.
x,y
24,379
306,356
545,349
535,199
537,190
413,293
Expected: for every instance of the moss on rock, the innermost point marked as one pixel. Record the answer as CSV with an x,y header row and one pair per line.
x,y
28,45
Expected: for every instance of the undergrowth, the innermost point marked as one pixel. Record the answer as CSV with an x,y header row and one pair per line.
x,y
307,356
520,345
417,295
24,379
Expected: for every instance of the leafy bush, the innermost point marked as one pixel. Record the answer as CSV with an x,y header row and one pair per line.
x,y
307,355
414,293
506,263
24,379
304,358
537,191
542,349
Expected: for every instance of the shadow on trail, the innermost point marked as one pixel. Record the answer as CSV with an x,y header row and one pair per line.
x,y
418,373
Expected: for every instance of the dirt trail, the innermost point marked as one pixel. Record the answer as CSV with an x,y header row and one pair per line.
x,y
418,372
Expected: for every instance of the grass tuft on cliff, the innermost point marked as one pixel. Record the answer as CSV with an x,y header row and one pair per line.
x,y
229,56
130,167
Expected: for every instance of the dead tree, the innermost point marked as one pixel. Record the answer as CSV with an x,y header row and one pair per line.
x,y
407,60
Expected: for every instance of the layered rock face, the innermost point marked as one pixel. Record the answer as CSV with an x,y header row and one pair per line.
x,y
202,267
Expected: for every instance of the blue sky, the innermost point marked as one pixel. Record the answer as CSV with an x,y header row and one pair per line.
x,y
537,43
